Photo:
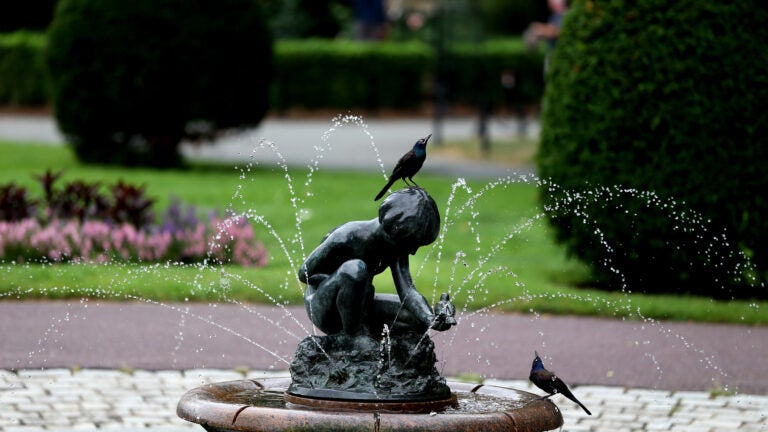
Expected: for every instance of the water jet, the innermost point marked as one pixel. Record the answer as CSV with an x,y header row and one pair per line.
x,y
374,368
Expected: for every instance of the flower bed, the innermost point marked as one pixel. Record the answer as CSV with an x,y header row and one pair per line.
x,y
90,227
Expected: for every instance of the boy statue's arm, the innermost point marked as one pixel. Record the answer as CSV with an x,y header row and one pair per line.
x,y
441,319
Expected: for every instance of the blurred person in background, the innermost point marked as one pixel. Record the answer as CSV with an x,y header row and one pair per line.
x,y
370,20
548,31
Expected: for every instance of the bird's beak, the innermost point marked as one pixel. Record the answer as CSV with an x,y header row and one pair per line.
x,y
537,353
427,138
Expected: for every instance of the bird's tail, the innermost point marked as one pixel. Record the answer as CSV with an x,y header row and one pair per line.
x,y
385,188
567,393
583,407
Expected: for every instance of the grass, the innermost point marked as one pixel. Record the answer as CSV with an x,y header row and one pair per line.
x,y
496,250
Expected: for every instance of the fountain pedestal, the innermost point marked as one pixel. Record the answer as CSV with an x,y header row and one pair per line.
x,y
261,405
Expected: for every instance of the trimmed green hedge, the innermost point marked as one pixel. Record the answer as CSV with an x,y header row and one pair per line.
x,y
668,102
337,74
475,72
346,74
22,69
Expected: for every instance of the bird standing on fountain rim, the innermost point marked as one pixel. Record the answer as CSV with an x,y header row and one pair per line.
x,y
550,383
408,166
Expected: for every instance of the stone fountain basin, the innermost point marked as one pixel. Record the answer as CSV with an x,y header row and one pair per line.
x,y
260,405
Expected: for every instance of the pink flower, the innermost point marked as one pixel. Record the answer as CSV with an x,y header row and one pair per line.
x,y
229,240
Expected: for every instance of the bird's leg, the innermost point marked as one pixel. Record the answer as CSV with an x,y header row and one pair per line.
x,y
538,399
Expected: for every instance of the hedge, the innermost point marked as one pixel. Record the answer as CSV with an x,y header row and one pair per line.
x,y
655,138
22,69
475,72
335,74
346,74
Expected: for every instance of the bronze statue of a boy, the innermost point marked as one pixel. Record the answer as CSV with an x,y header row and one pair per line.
x,y
340,297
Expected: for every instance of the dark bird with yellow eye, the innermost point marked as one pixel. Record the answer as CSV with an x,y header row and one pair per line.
x,y
408,165
550,383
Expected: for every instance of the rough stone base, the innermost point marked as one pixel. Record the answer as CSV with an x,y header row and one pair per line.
x,y
361,368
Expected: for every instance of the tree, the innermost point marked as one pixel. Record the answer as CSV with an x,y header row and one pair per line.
x,y
132,79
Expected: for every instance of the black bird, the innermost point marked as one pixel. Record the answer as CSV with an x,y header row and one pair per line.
x,y
550,383
408,165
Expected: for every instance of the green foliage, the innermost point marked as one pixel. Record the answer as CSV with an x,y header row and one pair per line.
x,y
81,200
537,276
397,74
15,203
670,98
131,79
298,19
511,17
476,70
346,74
343,74
22,69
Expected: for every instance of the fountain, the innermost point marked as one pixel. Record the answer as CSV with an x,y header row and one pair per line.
x,y
375,366
251,403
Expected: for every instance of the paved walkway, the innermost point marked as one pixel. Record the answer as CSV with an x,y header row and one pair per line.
x,y
91,399
71,365
347,142
68,366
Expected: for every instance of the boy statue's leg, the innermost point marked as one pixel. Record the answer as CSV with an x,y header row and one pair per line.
x,y
388,309
340,303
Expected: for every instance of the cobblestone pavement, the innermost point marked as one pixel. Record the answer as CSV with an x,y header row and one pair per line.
x,y
91,399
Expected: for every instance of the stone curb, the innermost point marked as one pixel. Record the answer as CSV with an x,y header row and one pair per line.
x,y
115,400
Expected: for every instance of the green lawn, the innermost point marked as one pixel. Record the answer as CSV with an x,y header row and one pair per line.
x,y
495,250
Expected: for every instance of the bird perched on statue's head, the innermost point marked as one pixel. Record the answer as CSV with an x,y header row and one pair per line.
x,y
550,383
408,165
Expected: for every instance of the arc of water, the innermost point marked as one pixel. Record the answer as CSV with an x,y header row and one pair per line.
x,y
460,183
295,200
652,323
468,205
274,301
251,285
687,220
500,244
340,121
263,292
212,323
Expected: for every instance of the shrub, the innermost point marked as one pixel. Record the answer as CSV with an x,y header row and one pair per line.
x,y
298,19
131,79
347,74
511,17
671,99
83,200
14,203
23,81
476,72
397,74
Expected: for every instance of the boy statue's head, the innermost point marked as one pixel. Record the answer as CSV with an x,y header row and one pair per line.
x,y
410,218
